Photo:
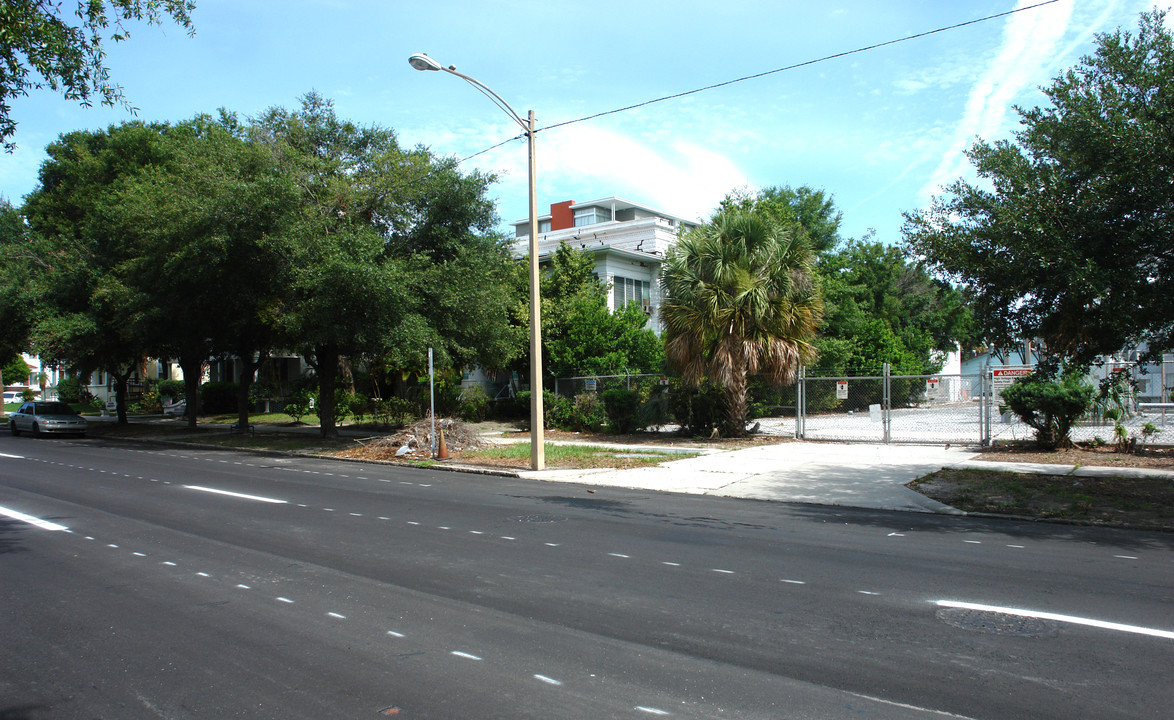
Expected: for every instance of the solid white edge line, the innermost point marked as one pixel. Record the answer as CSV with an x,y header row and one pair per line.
x,y
35,522
1105,625
905,706
242,496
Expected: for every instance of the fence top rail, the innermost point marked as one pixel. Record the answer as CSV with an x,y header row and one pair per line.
x,y
604,377
844,377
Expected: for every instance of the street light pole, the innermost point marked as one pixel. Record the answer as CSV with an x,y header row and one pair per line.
x,y
420,61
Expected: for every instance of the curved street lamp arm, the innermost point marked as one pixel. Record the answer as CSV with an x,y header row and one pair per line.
x,y
497,99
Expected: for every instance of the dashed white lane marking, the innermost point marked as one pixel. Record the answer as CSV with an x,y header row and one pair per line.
x,y
973,542
285,600
337,615
168,562
794,582
507,537
547,680
1020,547
244,587
652,710
1126,557
139,554
14,457
203,574
35,522
393,633
467,656
242,496
1059,618
671,564
867,592
896,534
723,572
619,555
551,544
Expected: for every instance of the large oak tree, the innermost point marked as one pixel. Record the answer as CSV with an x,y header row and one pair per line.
x,y
1067,237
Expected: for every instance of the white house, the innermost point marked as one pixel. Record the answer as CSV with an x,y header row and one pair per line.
x,y
628,241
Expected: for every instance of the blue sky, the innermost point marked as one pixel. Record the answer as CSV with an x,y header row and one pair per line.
x,y
882,130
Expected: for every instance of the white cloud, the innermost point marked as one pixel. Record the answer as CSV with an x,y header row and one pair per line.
x,y
584,162
1030,43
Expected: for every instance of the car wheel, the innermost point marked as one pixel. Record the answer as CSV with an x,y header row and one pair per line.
x,y
36,430
12,427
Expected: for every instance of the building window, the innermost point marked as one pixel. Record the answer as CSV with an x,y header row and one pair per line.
x,y
543,226
591,216
626,290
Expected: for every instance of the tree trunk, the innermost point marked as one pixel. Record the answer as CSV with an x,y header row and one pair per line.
x,y
245,383
191,365
735,401
327,371
120,383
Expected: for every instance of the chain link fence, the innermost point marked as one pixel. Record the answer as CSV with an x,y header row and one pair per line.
x,y
887,408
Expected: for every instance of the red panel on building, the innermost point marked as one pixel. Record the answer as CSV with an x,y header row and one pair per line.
x,y
561,216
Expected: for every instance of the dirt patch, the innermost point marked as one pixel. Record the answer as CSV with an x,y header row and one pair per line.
x,y
1161,458
1133,502
464,439
414,442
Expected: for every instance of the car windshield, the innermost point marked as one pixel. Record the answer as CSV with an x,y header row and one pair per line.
x,y
53,408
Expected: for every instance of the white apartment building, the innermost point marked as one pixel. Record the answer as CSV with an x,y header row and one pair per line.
x,y
628,241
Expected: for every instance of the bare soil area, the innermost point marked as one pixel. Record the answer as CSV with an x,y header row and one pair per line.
x,y
1160,458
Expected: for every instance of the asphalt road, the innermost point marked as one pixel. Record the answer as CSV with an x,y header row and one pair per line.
x,y
195,583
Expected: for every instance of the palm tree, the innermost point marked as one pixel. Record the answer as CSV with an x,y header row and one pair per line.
x,y
740,298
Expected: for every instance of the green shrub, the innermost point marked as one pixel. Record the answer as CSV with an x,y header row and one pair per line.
x,y
218,397
588,413
522,407
173,389
559,412
148,402
696,409
393,410
623,410
473,403
1049,407
69,390
297,405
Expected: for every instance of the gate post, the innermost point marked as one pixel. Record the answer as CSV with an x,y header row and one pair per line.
x,y
801,404
887,404
986,386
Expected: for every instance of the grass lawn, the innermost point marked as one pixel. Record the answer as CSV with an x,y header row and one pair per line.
x,y
571,456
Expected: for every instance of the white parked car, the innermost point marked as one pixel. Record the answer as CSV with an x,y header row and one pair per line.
x,y
13,396
42,417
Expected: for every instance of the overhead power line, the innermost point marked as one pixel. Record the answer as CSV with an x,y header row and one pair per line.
x,y
799,65
755,76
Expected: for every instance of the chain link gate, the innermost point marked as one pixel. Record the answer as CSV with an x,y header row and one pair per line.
x,y
890,408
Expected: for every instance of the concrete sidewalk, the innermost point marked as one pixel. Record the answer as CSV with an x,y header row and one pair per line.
x,y
849,474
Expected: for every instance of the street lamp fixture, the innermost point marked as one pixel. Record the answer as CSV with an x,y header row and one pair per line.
x,y
420,61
